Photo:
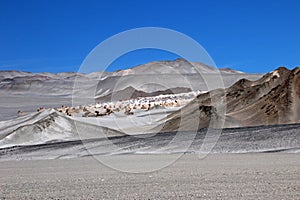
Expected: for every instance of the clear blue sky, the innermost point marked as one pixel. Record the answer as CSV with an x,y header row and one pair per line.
x,y
55,35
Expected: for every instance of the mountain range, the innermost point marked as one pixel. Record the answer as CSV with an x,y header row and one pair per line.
x,y
27,91
253,100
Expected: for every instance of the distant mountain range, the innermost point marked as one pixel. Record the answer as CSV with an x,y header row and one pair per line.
x,y
178,66
26,91
150,77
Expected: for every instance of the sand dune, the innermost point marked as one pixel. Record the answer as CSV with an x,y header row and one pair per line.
x,y
47,127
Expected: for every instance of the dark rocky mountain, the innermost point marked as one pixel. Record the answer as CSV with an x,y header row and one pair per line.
x,y
272,99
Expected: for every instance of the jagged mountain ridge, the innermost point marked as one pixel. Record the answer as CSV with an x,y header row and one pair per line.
x,y
272,99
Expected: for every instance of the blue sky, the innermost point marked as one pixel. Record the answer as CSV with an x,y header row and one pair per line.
x,y
55,36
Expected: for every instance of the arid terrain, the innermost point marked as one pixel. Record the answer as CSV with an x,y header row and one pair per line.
x,y
72,135
218,176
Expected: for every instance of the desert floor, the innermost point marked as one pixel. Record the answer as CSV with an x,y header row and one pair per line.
x,y
217,176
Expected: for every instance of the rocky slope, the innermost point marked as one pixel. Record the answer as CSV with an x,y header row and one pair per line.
x,y
272,99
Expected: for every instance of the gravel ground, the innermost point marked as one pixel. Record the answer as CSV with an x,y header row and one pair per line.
x,y
218,176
